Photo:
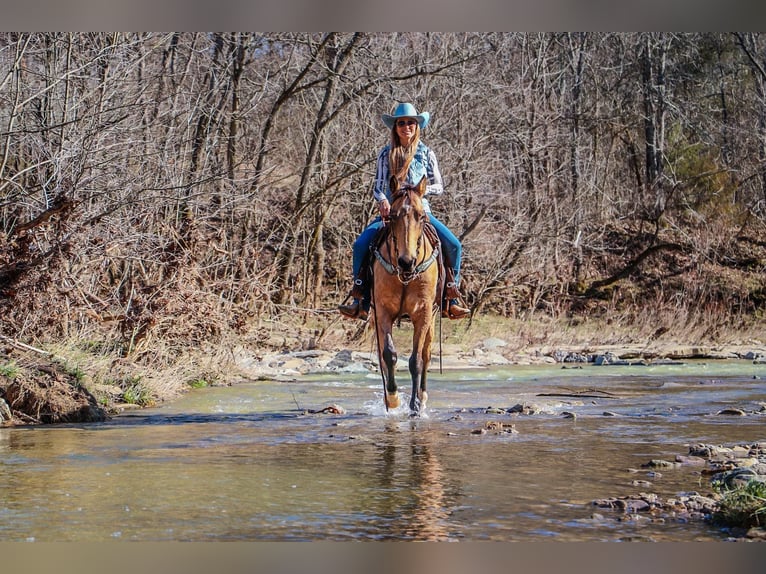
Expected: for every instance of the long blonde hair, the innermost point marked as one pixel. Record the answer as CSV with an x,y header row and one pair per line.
x,y
400,156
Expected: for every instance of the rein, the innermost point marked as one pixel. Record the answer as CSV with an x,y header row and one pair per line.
x,y
406,277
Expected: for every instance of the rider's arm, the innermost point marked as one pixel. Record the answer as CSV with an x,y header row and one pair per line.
x,y
435,185
380,189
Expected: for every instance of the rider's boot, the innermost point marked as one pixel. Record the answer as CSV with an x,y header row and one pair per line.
x,y
451,304
359,308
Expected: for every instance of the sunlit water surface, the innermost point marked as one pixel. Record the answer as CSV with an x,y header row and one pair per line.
x,y
248,462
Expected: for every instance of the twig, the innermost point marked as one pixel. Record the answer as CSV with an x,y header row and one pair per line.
x,y
24,346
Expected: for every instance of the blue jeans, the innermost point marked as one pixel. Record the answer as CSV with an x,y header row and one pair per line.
x,y
451,248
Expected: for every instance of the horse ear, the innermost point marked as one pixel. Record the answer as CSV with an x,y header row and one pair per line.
x,y
422,185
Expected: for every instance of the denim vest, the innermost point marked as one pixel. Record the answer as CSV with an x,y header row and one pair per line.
x,y
419,167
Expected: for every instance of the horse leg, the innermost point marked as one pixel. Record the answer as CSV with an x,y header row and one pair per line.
x,y
421,355
416,372
388,360
426,354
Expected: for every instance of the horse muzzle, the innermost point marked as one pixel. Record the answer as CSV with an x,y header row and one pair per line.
x,y
406,264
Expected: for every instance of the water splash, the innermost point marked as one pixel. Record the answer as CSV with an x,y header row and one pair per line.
x,y
377,407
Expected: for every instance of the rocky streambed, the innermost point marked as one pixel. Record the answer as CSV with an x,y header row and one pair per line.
x,y
491,352
720,468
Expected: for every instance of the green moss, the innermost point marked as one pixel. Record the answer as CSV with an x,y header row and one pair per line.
x,y
198,384
9,370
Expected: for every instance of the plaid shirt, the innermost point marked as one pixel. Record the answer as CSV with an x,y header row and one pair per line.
x,y
423,163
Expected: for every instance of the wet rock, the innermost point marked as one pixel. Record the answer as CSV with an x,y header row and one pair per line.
x,y
524,409
633,506
605,359
659,463
695,502
703,450
609,414
569,357
501,427
737,477
331,409
629,504
690,460
740,451
569,415
732,411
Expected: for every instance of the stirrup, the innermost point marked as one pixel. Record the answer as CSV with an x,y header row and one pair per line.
x,y
357,291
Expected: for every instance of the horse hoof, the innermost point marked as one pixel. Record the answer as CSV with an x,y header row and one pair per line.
x,y
392,401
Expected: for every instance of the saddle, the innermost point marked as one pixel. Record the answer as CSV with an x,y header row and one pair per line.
x,y
361,290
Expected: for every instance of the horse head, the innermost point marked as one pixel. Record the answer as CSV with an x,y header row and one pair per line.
x,y
407,219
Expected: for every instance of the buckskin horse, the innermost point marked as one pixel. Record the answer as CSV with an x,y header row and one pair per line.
x,y
406,281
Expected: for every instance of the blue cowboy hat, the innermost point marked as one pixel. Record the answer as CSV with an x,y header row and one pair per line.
x,y
406,110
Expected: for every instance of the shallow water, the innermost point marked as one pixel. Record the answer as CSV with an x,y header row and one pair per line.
x,y
249,463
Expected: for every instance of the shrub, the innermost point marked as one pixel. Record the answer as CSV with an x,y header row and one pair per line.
x,y
744,506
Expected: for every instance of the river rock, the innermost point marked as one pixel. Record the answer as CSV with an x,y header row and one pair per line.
x,y
524,409
5,411
732,411
690,460
659,463
703,450
738,477
489,358
606,359
561,356
493,343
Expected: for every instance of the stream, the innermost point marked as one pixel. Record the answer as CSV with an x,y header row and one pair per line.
x,y
252,462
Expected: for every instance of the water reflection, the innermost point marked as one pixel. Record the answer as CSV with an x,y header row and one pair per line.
x,y
410,469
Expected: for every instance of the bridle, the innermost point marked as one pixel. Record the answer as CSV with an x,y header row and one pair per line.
x,y
406,277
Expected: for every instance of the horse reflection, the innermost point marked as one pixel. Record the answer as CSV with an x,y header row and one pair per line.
x,y
414,471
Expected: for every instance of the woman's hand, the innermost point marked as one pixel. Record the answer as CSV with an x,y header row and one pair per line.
x,y
385,209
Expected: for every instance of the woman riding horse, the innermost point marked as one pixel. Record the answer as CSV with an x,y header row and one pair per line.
x,y
406,282
407,159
